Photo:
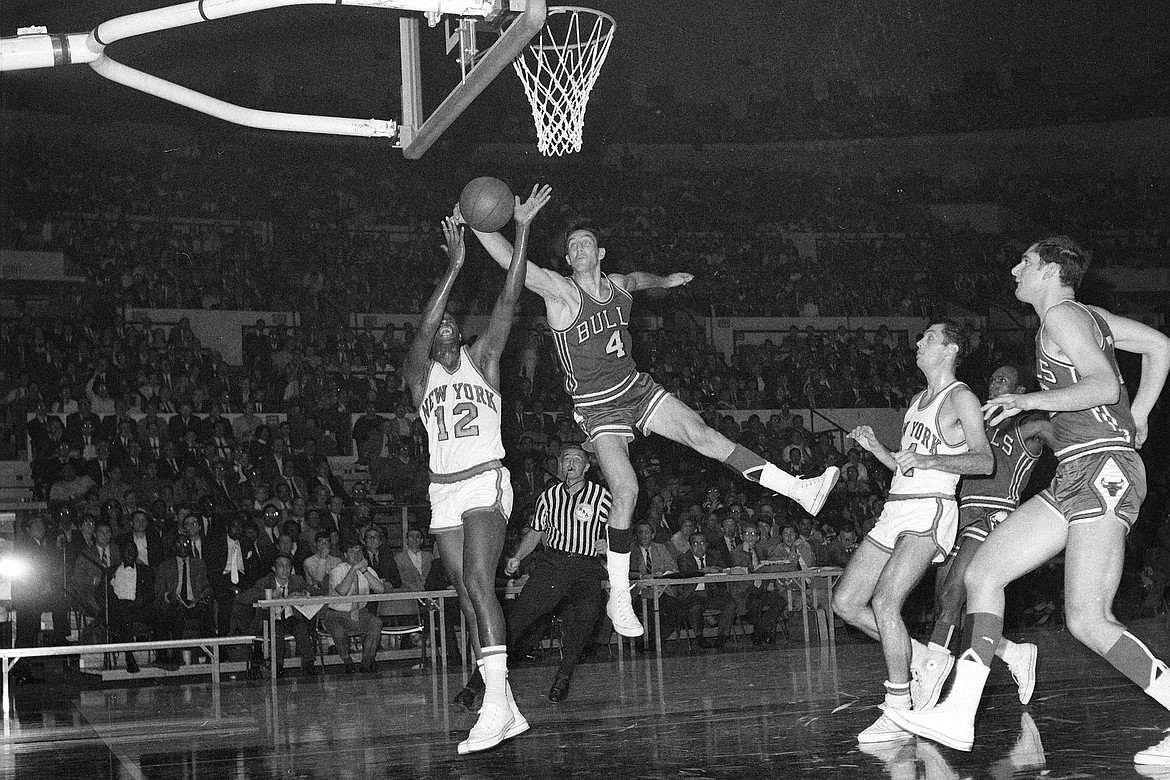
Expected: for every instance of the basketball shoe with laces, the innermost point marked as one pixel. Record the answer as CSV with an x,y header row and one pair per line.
x,y
490,729
1021,660
620,609
811,493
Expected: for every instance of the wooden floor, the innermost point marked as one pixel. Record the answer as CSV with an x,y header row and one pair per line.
x,y
770,712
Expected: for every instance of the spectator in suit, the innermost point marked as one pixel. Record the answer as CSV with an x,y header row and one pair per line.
x,y
170,467
225,489
701,597
182,592
381,561
84,413
191,489
323,475
337,519
100,468
649,559
268,525
153,437
414,563
283,582
129,594
70,485
89,570
231,568
147,541
764,607
85,441
185,420
42,587
131,461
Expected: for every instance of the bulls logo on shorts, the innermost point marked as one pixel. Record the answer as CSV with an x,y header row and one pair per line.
x,y
1111,484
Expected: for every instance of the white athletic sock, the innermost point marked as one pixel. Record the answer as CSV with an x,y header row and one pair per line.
x,y
778,480
898,695
618,566
495,675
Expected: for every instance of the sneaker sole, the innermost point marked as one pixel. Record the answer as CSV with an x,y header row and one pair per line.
x,y
466,747
892,736
932,735
826,487
1155,760
517,728
1029,687
625,630
932,697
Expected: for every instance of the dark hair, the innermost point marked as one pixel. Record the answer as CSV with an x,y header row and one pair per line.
x,y
958,333
321,535
700,534
1072,258
278,556
581,223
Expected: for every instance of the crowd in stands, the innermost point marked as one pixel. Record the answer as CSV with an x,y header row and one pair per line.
x,y
221,222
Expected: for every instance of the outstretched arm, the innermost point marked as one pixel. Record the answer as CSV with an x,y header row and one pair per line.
x,y
1154,347
541,281
414,370
642,280
490,346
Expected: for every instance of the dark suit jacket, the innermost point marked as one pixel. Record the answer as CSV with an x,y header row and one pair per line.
x,y
177,427
143,589
386,568
296,584
154,546
688,566
167,579
215,552
97,472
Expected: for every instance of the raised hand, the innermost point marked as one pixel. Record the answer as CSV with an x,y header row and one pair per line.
x,y
455,248
526,211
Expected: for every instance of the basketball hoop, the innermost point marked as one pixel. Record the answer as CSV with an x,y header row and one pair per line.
x,y
558,70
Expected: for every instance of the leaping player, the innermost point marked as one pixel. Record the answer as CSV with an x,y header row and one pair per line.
x,y
1092,502
589,314
457,392
984,503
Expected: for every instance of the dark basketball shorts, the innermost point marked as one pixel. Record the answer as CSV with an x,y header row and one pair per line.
x,y
976,522
630,407
1095,485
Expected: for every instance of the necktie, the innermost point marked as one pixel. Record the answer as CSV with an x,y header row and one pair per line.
x,y
285,612
105,557
184,580
196,551
703,562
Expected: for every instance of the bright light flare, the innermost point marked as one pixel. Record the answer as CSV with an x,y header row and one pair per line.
x,y
13,567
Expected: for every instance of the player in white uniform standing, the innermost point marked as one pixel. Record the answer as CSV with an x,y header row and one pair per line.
x,y
457,392
942,438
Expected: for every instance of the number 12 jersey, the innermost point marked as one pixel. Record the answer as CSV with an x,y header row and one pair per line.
x,y
461,412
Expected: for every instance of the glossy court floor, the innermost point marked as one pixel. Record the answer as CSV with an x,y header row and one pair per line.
x,y
771,712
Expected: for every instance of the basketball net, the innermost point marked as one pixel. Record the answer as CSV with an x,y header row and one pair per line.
x,y
558,71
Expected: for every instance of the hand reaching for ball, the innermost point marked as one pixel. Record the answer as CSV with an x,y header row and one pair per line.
x,y
524,212
454,247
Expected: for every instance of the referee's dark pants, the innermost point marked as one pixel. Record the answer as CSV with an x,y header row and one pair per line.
x,y
561,579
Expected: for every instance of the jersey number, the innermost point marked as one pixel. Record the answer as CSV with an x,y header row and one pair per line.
x,y
615,345
463,426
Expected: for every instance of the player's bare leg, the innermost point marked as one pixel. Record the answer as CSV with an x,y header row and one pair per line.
x,y
479,541
870,596
1030,536
678,422
613,453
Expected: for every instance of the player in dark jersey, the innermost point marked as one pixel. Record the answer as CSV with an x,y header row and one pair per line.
x,y
1092,502
984,502
589,313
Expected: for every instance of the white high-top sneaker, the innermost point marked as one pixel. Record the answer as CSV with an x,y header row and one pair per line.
x,y
928,672
952,722
1021,660
490,730
811,493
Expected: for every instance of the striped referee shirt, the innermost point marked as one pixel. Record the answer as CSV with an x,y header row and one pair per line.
x,y
572,522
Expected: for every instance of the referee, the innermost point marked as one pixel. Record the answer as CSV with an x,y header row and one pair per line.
x,y
570,519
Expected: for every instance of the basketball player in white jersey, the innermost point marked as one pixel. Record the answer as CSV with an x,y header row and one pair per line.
x,y
942,438
457,392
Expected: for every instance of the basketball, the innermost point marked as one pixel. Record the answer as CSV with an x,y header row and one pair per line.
x,y
486,204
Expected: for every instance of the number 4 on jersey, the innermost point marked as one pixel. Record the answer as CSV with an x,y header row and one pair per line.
x,y
615,345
